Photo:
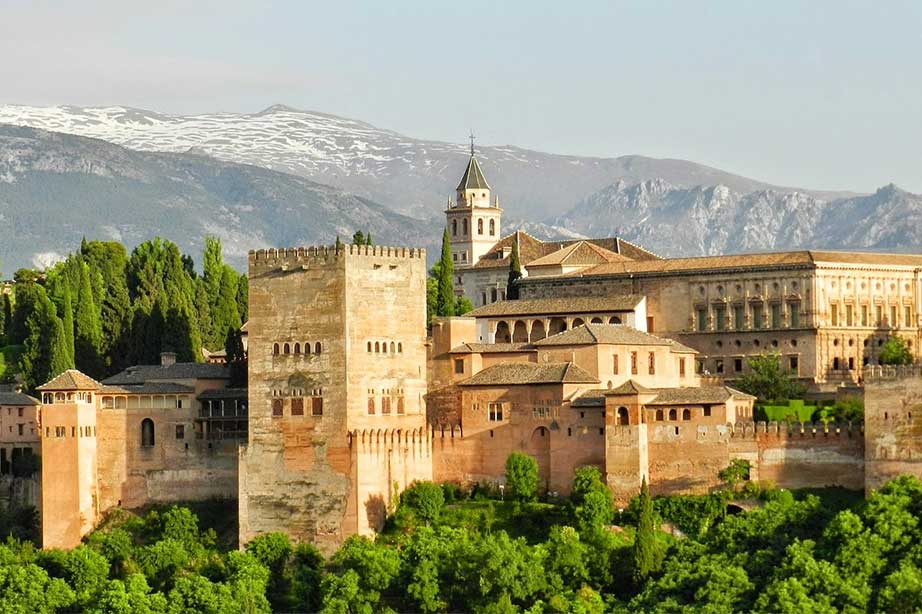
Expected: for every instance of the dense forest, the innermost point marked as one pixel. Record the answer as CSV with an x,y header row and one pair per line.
x,y
445,549
102,309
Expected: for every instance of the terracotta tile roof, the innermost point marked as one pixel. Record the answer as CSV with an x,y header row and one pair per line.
x,y
532,248
149,388
520,373
614,334
866,258
177,371
223,393
630,387
694,396
579,253
491,348
557,306
70,380
17,398
594,397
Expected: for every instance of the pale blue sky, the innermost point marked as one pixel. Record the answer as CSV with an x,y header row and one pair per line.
x,y
815,94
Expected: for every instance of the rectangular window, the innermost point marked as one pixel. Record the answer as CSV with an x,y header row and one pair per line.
x,y
651,363
495,412
650,324
276,408
180,431
633,363
793,364
834,314
541,411
851,363
459,366
719,366
317,406
739,317
794,314
707,411
738,365
297,407
614,364
893,321
720,317
776,315
849,315
757,316
19,410
401,408
702,319
864,315
681,367
371,406
385,405
21,428
879,315
907,317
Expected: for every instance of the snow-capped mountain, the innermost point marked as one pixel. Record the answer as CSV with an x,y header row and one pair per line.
x,y
677,221
412,176
57,188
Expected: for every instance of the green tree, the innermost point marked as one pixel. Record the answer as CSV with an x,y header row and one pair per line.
x,y
368,238
224,312
445,299
426,499
87,328
243,297
361,571
108,263
274,551
212,268
67,322
522,476
28,589
358,238
26,293
895,351
734,473
463,305
45,353
644,555
7,315
515,271
768,381
339,244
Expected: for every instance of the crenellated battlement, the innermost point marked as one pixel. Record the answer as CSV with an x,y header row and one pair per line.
x,y
795,430
891,372
324,254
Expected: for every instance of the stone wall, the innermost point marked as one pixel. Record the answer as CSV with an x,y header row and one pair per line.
x,y
893,423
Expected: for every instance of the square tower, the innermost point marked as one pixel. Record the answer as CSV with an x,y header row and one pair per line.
x,y
337,374
473,221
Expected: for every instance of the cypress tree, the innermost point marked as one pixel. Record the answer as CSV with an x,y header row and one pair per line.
x,y
644,542
445,304
225,315
212,268
45,354
339,244
108,262
7,316
243,297
368,238
88,328
67,321
515,271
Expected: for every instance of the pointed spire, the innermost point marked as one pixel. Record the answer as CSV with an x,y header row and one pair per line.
x,y
473,178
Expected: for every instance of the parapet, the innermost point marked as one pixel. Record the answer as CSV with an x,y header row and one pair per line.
x,y
324,254
800,430
891,372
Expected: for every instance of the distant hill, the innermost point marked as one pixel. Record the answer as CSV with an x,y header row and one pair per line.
x,y
671,220
57,188
411,176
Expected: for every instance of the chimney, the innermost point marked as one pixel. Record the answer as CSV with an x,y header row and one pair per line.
x,y
167,359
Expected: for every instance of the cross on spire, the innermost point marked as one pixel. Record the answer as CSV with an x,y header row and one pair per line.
x,y
472,142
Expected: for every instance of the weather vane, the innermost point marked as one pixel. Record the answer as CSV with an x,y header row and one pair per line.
x,y
472,142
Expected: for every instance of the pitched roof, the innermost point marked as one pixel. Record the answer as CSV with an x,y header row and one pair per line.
x,y
555,306
630,387
71,380
516,373
473,178
532,248
17,398
223,393
579,253
613,334
700,395
177,371
147,388
594,397
491,348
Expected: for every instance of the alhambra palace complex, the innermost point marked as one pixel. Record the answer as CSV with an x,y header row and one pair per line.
x,y
611,356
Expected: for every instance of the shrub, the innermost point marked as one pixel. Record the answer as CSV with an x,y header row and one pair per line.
x,y
426,499
522,477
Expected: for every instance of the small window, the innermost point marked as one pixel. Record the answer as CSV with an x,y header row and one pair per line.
x,y
480,226
317,348
738,364
393,347
793,363
686,414
651,363
633,363
297,407
492,228
147,433
180,431
707,412
614,364
297,348
371,406
400,347
495,412
672,414
386,405
276,408
459,366
275,349
317,406
377,347
369,347
286,349
659,415
401,408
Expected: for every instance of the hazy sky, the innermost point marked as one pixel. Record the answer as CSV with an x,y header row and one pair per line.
x,y
814,94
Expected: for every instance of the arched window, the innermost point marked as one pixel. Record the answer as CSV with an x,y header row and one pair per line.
x,y
454,228
371,406
492,227
384,347
317,348
369,346
672,414
686,414
622,415
659,415
307,347
276,408
393,347
614,320
464,227
297,348
480,226
275,349
147,433
377,347
400,347
286,349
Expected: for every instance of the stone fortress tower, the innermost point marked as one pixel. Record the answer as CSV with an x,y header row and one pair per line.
x,y
473,221
337,422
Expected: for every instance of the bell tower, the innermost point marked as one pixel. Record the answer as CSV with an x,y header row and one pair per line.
x,y
473,220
